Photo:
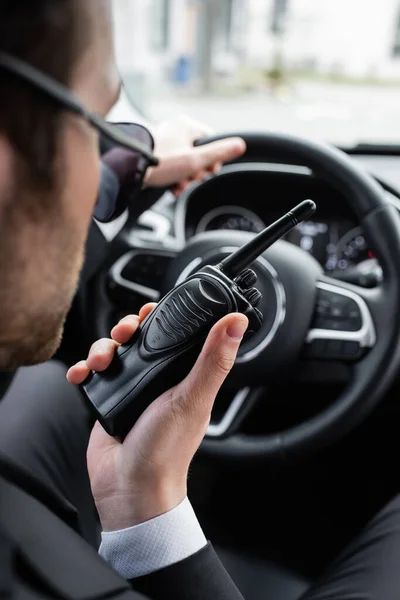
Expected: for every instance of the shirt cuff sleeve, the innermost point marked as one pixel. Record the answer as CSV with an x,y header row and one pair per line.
x,y
154,544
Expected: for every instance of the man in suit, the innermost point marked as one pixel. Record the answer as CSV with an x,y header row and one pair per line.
x,y
151,542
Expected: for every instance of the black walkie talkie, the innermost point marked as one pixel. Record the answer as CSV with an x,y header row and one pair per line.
x,y
167,343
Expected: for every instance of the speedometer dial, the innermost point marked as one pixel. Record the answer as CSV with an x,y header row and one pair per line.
x,y
230,217
352,249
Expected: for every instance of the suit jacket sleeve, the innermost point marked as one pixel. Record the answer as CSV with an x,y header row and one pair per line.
x,y
199,577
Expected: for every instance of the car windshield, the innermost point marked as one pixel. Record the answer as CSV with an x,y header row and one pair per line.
x,y
327,69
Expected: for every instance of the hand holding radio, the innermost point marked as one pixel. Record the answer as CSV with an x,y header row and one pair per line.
x,y
145,476
154,395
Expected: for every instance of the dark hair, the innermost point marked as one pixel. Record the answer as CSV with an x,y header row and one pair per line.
x,y
49,34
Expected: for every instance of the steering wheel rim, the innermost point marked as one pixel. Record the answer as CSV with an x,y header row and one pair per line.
x,y
373,375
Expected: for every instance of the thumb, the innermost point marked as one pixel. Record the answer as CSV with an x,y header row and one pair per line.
x,y
200,387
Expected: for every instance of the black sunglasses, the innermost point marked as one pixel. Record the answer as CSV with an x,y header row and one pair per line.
x,y
125,148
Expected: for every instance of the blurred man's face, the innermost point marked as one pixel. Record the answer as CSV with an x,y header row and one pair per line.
x,y
40,258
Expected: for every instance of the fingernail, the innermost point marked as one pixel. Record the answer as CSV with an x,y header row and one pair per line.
x,y
129,319
240,146
99,348
237,330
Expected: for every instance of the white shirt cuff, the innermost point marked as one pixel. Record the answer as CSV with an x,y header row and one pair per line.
x,y
154,544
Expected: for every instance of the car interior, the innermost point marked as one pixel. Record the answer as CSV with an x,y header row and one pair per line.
x,y
302,448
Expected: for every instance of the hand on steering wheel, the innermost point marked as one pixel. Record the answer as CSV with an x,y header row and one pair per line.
x,y
180,161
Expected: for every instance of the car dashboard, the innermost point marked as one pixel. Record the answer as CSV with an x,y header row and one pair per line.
x,y
250,197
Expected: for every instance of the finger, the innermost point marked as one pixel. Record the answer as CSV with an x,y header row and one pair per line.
x,y
124,330
215,169
78,373
146,309
222,151
101,354
147,176
180,187
201,175
199,389
184,166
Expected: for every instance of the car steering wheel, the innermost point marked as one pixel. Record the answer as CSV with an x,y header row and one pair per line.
x,y
306,313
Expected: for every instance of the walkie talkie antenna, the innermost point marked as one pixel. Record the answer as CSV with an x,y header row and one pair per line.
x,y
235,263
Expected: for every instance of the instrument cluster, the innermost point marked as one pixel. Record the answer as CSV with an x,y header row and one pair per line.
x,y
336,243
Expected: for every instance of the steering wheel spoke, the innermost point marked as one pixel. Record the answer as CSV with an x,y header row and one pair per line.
x,y
342,327
141,271
240,405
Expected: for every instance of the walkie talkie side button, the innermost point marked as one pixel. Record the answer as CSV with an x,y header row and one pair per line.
x,y
246,278
253,295
259,314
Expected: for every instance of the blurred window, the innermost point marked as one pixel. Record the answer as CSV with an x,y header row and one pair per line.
x,y
396,46
160,11
278,16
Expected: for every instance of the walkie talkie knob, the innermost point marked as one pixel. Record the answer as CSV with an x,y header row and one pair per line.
x,y
259,314
253,295
246,279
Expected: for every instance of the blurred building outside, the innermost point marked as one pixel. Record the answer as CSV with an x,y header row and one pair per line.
x,y
338,59
198,44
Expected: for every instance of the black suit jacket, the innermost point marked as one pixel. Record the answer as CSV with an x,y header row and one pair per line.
x,y
43,555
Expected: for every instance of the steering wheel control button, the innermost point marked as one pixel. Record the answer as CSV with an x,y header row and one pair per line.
x,y
246,279
315,349
342,327
336,312
351,349
136,277
146,269
332,349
